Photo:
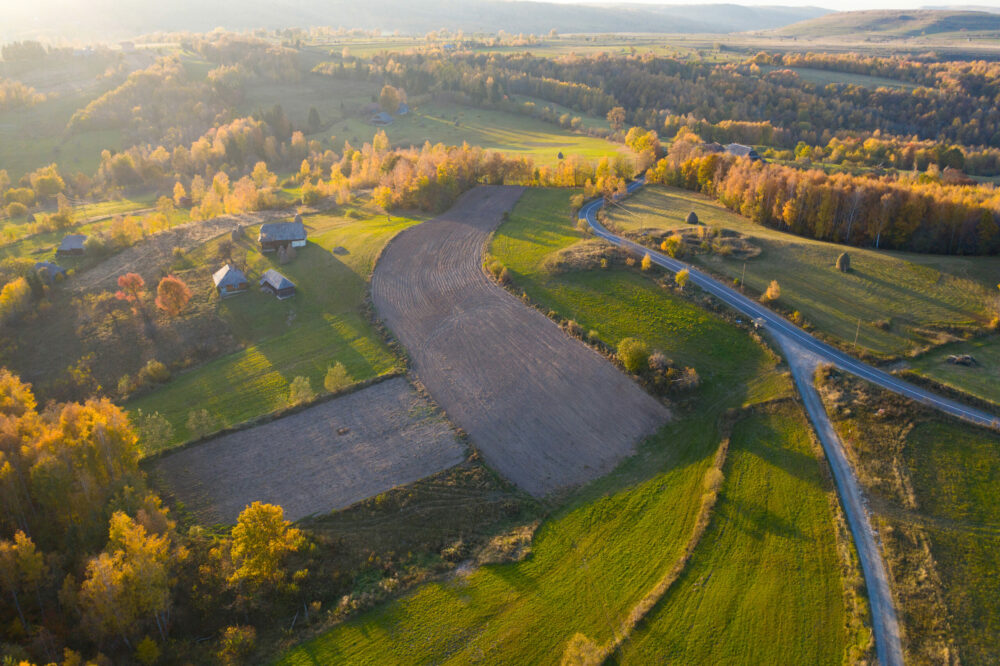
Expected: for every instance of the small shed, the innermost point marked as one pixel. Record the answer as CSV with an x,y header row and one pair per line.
x,y
739,150
277,234
381,119
72,244
49,272
275,283
403,109
230,281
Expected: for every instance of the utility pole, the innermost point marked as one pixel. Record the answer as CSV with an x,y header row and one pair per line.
x,y
856,334
743,276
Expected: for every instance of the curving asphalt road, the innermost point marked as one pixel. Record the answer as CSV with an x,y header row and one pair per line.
x,y
804,354
781,326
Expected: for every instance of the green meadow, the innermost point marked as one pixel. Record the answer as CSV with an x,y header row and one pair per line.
x,y
601,550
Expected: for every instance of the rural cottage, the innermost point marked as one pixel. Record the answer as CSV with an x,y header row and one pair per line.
x,y
230,281
275,283
72,244
274,235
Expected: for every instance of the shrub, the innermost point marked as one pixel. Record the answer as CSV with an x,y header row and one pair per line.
x,y
844,262
236,645
15,299
154,430
674,246
154,371
337,378
633,354
773,292
200,423
16,209
574,329
301,391
647,262
172,295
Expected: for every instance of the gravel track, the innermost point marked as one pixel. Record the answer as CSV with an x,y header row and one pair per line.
x,y
544,410
394,437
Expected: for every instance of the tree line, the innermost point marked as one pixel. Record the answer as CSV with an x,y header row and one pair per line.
x,y
891,212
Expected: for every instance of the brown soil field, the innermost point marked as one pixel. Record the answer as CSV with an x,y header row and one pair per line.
x,y
545,411
391,437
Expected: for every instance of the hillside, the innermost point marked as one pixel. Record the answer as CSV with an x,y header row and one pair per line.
x,y
893,24
115,20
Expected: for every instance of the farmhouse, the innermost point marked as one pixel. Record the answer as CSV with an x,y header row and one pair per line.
x,y
49,272
275,283
739,150
230,281
381,119
72,244
282,234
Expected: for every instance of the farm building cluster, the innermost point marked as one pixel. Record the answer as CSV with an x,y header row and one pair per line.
x,y
280,237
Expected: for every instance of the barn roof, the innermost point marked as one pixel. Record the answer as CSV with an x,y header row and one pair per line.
x,y
228,275
276,280
382,118
72,242
49,269
282,231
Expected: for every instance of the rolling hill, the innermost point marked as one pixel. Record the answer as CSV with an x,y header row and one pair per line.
x,y
114,19
893,24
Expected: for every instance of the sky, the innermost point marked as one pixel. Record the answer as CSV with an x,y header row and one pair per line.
x,y
838,5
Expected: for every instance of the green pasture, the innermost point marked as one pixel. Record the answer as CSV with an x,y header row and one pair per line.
x,y
321,325
903,300
598,554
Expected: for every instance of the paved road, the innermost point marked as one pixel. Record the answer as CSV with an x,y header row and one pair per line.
x,y
781,326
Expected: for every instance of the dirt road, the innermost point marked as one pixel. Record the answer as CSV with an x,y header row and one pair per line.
x,y
391,437
545,410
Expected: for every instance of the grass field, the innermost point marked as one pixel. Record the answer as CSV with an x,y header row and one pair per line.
x,y
323,324
766,567
934,488
823,77
982,380
915,293
599,553
454,124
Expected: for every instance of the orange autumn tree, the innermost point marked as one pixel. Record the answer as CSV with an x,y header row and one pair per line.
x,y
172,295
132,289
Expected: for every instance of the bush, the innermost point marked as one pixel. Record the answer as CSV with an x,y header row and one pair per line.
x,y
154,371
16,209
301,391
844,262
337,378
773,292
236,645
682,277
154,430
647,262
674,246
633,354
200,423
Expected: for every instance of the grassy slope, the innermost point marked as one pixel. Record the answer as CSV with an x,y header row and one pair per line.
x,y
822,77
955,471
915,290
982,381
767,567
321,325
597,555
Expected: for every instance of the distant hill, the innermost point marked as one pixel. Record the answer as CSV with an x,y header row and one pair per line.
x,y
118,19
893,24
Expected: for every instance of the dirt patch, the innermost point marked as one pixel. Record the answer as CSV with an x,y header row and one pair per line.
x,y
393,437
546,411
151,257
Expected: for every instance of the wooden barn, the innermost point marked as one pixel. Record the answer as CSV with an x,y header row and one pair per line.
x,y
72,244
49,272
282,234
275,283
230,281
739,150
